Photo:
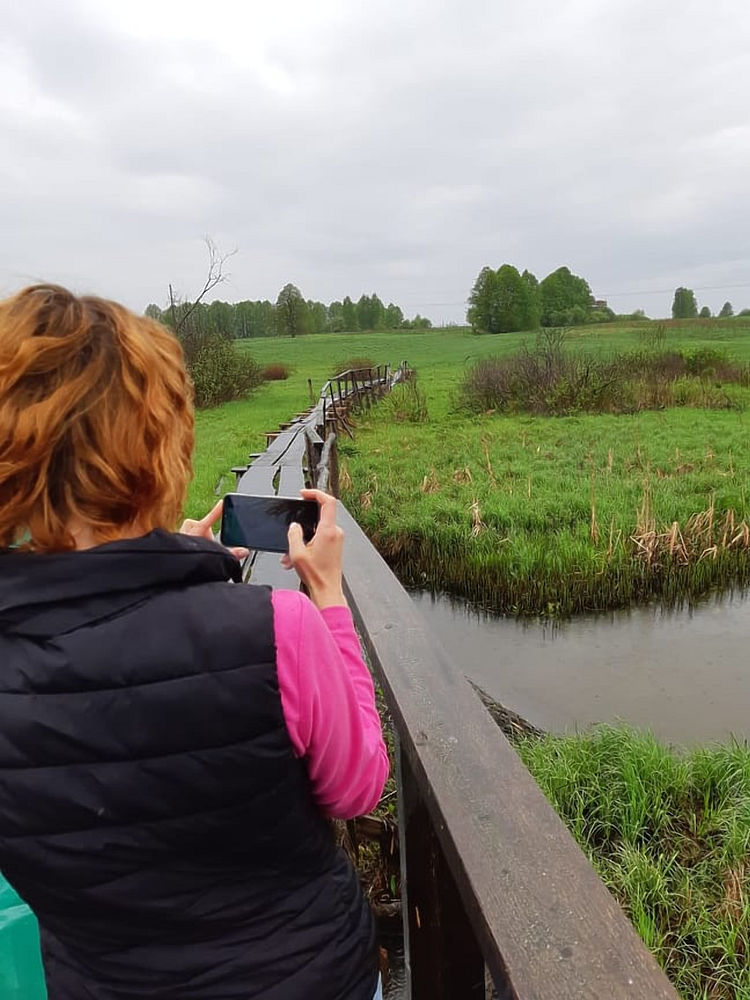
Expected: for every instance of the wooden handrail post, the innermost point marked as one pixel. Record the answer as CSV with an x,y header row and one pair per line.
x,y
443,958
327,462
334,411
333,468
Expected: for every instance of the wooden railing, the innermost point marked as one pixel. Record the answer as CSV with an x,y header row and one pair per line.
x,y
491,878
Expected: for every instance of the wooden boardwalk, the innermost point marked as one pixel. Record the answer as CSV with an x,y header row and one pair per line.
x,y
491,878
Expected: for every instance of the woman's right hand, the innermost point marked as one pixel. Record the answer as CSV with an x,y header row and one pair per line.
x,y
318,563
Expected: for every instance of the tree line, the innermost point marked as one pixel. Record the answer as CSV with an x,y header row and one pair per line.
x,y
685,306
290,316
505,299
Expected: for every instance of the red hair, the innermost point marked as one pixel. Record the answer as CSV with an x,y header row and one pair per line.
x,y
96,420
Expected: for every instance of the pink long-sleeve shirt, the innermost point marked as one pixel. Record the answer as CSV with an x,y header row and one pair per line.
x,y
328,700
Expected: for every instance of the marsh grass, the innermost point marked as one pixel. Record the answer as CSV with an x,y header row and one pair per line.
x,y
405,404
520,513
556,516
669,834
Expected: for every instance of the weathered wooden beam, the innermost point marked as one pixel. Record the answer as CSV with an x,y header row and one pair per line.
x,y
546,924
443,957
323,476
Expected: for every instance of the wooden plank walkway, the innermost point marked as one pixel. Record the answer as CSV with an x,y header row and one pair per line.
x,y
490,875
279,470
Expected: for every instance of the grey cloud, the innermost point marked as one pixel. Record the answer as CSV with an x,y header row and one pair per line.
x,y
412,145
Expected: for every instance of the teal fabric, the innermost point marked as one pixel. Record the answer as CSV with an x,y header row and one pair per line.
x,y
21,976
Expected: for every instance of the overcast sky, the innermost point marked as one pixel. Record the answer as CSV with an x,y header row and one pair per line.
x,y
386,146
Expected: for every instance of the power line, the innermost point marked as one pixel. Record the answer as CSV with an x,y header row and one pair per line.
x,y
668,291
608,295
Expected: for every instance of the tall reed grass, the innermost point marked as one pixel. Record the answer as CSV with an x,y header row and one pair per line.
x,y
670,835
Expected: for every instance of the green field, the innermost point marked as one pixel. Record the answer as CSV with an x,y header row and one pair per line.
x,y
225,435
499,508
519,513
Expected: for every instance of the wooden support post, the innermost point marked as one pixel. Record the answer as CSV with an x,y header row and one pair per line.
x,y
443,958
328,458
312,455
239,471
310,390
333,465
334,411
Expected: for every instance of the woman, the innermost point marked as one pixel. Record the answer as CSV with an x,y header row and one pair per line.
x,y
171,742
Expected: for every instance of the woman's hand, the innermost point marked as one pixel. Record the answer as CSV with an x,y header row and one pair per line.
x,y
318,564
204,529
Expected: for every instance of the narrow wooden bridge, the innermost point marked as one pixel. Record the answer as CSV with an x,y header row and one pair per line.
x,y
493,885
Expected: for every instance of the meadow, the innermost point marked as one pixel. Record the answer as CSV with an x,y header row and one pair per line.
x,y
225,435
515,512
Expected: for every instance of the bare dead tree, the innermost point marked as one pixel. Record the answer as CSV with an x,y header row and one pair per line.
x,y
215,276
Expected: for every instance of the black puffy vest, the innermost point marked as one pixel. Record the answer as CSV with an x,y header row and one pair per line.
x,y
152,811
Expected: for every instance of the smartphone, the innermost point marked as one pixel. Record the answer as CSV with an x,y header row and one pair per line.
x,y
262,522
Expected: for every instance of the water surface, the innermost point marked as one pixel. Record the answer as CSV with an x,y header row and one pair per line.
x,y
683,674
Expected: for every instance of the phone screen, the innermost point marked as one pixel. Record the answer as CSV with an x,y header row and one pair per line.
x,y
262,522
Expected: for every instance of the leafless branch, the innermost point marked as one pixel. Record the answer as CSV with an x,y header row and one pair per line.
x,y
215,276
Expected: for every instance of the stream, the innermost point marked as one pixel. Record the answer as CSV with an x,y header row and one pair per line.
x,y
684,674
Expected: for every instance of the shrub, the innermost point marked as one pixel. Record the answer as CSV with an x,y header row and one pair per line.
x,y
218,370
549,381
276,372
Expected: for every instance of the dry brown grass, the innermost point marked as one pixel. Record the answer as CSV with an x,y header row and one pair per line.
x,y
703,536
276,372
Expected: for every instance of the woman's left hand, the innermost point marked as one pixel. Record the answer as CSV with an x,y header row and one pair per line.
x,y
204,529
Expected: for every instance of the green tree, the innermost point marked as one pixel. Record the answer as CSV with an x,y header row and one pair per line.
x,y
482,312
291,312
531,303
510,299
684,305
378,312
220,318
370,312
318,317
255,319
726,311
705,313
349,315
336,317
565,298
153,312
394,317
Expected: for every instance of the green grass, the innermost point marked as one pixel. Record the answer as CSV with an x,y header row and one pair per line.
x,y
531,515
227,434
520,514
670,836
